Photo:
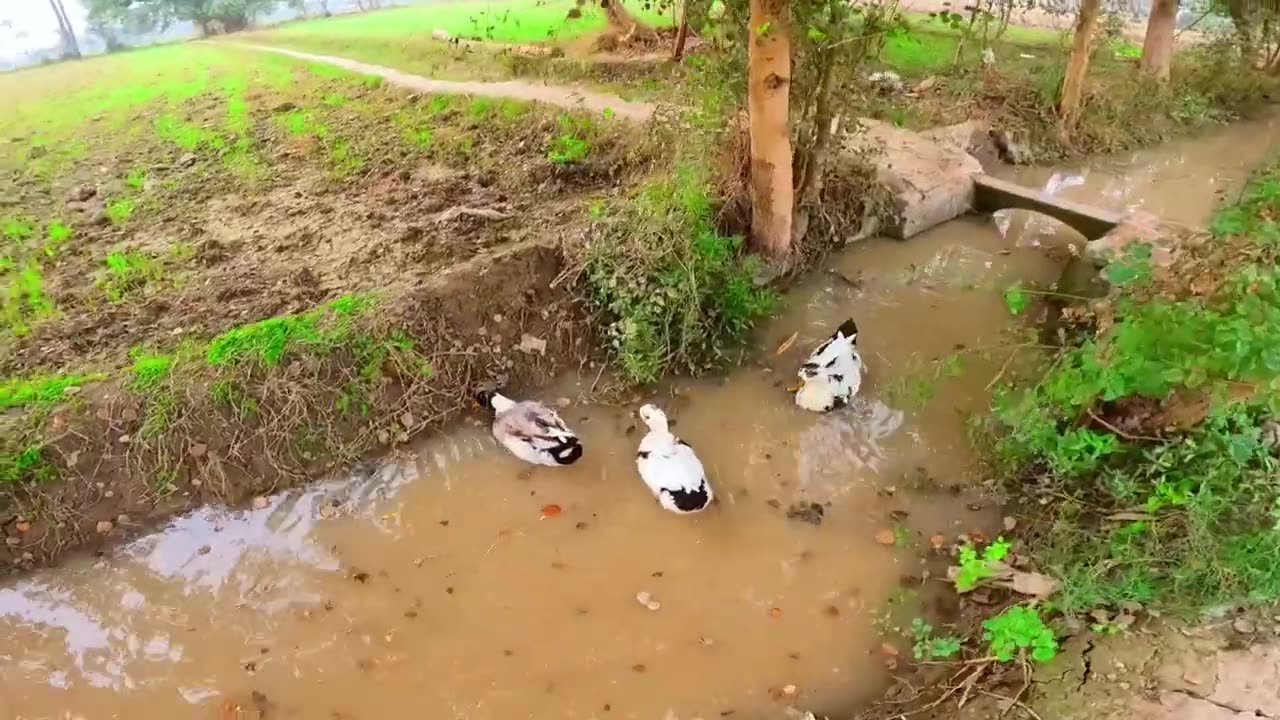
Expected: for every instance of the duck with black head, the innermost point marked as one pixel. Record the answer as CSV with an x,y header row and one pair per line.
x,y
530,430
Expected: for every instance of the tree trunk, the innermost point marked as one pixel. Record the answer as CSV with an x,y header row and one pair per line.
x,y
68,33
624,23
768,97
1073,81
682,33
1157,48
1243,16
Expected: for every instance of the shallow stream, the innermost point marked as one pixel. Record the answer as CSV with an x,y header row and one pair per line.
x,y
443,584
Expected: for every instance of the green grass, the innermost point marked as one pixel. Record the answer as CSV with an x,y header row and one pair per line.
x,y
1178,520
39,390
522,21
128,272
268,341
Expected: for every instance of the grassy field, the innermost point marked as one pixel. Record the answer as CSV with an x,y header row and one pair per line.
x,y
518,22
267,261
402,38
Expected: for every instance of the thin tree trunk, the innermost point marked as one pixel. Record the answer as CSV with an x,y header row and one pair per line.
x,y
768,97
68,33
1242,16
1073,82
623,22
809,166
1157,48
682,33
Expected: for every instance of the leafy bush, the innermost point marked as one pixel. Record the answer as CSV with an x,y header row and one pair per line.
x,y
1177,516
676,294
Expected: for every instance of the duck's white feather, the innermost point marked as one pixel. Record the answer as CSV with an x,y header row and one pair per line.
x,y
534,432
832,374
670,467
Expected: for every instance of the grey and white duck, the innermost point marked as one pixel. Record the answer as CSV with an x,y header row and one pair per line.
x,y
531,431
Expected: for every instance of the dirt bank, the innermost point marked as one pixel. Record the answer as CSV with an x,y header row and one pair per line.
x,y
294,267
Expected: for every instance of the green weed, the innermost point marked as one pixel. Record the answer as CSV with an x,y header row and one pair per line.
x,y
57,234
150,369
128,272
22,297
1019,631
39,390
161,407
267,341
928,646
230,394
26,464
119,210
136,179
343,160
975,568
676,295
572,143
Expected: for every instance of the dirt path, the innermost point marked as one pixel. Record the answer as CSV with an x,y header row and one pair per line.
x,y
567,97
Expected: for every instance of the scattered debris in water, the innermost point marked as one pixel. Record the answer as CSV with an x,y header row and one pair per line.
x,y
645,598
811,513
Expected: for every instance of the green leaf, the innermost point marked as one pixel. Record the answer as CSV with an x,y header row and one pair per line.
x,y
1016,299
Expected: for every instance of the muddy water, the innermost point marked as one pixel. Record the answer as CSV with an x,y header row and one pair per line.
x,y
439,584
1181,181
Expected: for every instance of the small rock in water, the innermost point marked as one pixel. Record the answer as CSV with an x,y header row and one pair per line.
x,y
886,537
104,526
23,526
563,402
1244,626
1010,523
260,503
12,541
807,512
645,598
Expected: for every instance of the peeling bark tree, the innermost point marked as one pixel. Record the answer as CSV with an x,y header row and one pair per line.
x,y
768,99
1073,81
1157,47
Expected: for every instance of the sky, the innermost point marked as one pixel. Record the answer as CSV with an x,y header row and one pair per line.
x,y
34,18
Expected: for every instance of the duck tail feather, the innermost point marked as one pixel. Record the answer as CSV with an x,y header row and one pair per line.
x,y
848,328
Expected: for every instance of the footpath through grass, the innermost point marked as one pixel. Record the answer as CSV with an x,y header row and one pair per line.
x,y
1146,453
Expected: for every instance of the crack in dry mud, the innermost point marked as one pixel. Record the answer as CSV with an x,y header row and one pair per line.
x,y
569,97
